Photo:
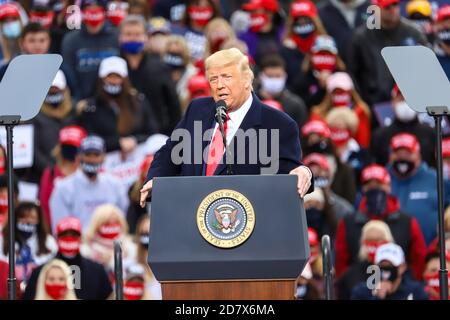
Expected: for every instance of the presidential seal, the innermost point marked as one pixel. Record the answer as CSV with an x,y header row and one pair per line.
x,y
225,218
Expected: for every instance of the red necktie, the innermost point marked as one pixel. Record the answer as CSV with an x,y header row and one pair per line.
x,y
216,149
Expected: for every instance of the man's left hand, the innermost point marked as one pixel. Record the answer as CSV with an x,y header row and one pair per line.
x,y
304,179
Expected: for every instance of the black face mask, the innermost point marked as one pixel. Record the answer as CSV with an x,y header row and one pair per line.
x,y
69,152
54,99
90,169
314,218
26,230
174,61
389,273
444,36
403,168
323,147
376,201
144,239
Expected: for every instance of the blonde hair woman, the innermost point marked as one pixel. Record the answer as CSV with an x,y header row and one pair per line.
x,y
217,32
55,282
107,225
374,234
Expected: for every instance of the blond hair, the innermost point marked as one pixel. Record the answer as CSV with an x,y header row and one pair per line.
x,y
229,57
374,225
179,41
41,293
103,214
219,24
343,115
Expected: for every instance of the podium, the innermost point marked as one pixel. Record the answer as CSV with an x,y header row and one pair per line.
x,y
227,237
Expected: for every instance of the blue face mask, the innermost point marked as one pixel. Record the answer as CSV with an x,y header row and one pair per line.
x,y
132,47
11,30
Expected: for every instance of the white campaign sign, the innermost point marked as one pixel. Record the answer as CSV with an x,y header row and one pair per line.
x,y
23,147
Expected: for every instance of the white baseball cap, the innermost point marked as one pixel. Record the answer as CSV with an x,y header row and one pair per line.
x,y
59,81
113,65
390,252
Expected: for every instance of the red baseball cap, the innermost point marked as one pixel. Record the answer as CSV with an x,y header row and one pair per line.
x,y
271,5
384,3
303,8
446,147
405,140
9,10
68,223
443,13
317,158
72,135
316,126
198,86
375,172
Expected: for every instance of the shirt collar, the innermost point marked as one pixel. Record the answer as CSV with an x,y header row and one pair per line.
x,y
238,115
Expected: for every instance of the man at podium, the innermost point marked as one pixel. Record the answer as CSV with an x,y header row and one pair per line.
x,y
271,138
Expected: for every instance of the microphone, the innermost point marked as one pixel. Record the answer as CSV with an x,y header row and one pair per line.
x,y
221,117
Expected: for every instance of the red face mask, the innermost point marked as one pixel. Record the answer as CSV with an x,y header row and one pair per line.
x,y
304,45
45,19
116,16
200,15
258,21
56,291
340,136
341,98
217,43
2,165
69,246
93,17
372,246
133,290
323,61
110,230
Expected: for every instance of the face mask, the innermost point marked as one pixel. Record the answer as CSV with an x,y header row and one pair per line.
x,y
2,165
403,112
3,210
56,291
341,99
11,30
132,47
301,291
389,273
94,17
403,168
321,182
26,230
273,86
432,281
376,201
340,137
90,169
133,290
200,15
371,247
304,45
314,217
174,61
144,239
112,89
69,152
444,36
116,16
322,61
217,42
69,246
258,21
110,230
54,99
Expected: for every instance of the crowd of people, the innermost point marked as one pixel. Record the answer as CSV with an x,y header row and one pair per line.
x,y
131,69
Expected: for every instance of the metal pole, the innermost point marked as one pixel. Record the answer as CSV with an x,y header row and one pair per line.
x,y
118,270
328,277
443,274
12,250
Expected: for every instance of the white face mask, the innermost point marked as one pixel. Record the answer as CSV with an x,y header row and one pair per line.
x,y
272,86
403,112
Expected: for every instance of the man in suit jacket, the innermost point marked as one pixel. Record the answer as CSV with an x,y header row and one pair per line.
x,y
230,79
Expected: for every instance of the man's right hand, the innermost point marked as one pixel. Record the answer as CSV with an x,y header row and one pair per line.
x,y
145,191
